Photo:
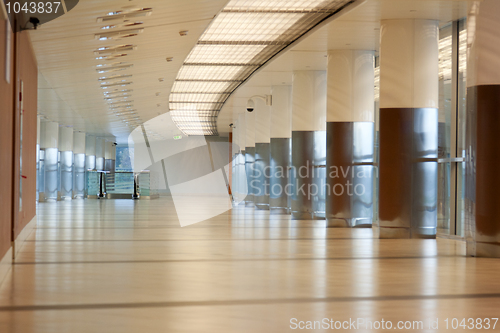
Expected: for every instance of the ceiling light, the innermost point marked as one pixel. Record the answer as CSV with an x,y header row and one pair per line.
x,y
117,33
121,15
114,77
111,69
115,49
183,32
112,57
117,91
170,59
123,84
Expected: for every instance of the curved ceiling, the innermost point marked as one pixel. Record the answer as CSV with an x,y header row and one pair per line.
x,y
357,29
241,39
103,66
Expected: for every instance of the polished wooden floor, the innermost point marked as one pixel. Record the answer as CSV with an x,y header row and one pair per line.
x,y
126,266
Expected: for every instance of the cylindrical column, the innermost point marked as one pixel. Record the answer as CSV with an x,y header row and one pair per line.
x,y
90,153
79,165
49,137
262,139
235,149
280,150
308,144
100,151
250,157
350,134
110,156
66,161
408,128
240,163
482,225
38,175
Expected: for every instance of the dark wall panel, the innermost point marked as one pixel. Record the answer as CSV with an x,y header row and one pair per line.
x,y
28,74
6,145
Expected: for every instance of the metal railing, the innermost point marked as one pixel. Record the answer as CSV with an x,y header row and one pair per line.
x,y
120,185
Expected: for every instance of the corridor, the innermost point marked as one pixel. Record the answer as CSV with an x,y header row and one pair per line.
x,y
127,266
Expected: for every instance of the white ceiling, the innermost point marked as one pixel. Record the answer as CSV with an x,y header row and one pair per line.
x,y
69,89
357,29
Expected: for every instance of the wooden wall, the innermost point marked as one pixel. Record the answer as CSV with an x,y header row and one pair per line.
x,y
27,71
6,145
23,68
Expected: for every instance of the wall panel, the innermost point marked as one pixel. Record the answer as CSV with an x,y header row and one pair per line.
x,y
6,147
28,74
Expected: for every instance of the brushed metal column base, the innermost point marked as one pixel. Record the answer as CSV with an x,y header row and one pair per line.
x,y
262,206
490,250
305,216
279,211
308,155
42,197
280,159
348,223
406,233
319,215
408,172
249,170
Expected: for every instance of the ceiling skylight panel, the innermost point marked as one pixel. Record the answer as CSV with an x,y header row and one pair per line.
x,y
265,27
276,5
195,107
190,114
192,86
214,54
188,72
193,97
241,38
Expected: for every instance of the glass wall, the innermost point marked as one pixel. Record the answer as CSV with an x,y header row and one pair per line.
x,y
444,128
451,140
124,159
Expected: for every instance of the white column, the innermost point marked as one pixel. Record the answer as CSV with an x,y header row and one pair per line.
x,y
65,138
79,143
49,141
38,175
262,121
250,129
90,152
38,128
409,101
242,130
66,161
309,101
110,156
308,144
281,112
79,165
240,162
281,133
49,134
409,64
100,149
350,85
350,134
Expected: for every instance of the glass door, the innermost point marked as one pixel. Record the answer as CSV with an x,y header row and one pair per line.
x,y
451,137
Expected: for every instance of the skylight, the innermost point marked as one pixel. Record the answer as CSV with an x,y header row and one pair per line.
x,y
241,38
